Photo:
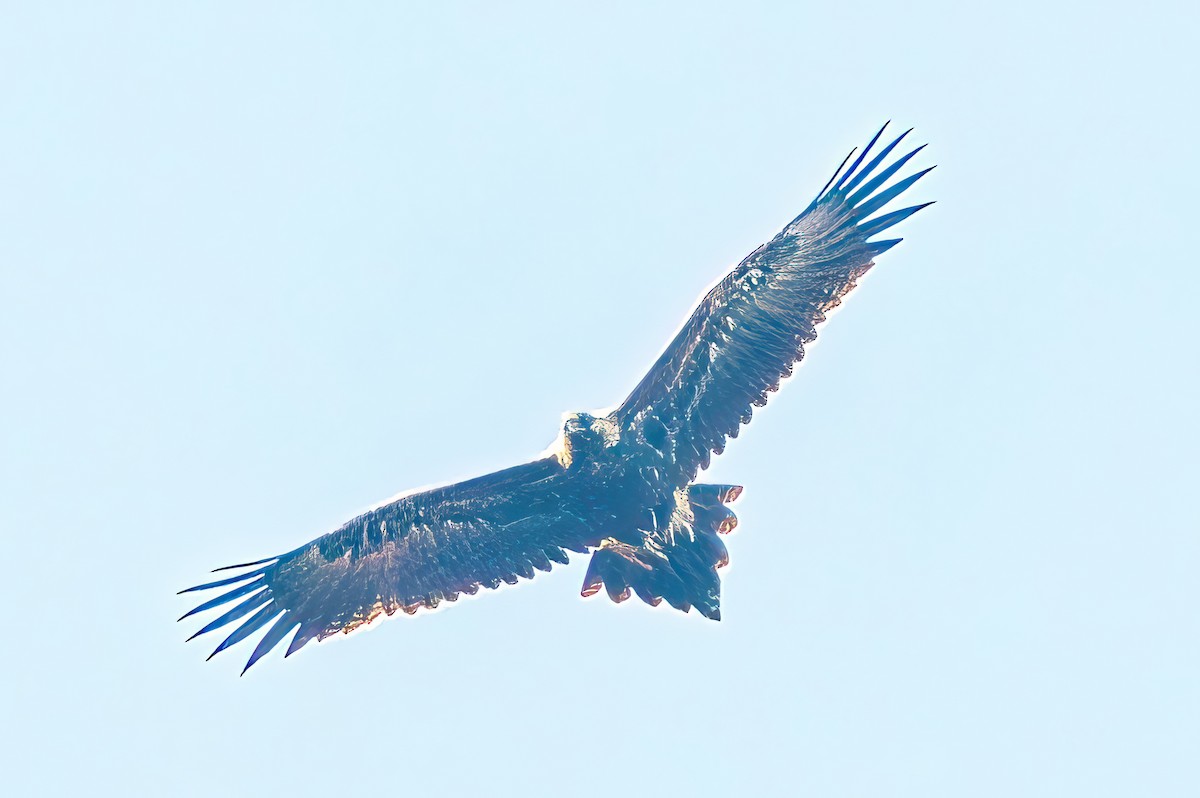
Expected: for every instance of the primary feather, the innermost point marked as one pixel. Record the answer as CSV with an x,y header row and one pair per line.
x,y
622,485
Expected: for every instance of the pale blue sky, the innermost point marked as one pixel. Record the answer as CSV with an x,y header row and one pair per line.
x,y
260,269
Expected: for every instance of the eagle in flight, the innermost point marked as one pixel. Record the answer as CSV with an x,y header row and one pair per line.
x,y
619,486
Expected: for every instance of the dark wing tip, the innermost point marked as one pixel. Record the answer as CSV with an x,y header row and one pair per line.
x,y
222,582
227,596
877,181
836,172
862,155
255,601
283,626
259,603
863,191
872,204
881,223
870,167
244,565
256,622
880,247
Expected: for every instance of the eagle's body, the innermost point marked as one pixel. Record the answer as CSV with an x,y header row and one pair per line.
x,y
621,485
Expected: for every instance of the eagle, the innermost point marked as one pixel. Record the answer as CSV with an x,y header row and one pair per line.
x,y
619,485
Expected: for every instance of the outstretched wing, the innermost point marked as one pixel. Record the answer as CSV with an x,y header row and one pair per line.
x,y
413,552
752,327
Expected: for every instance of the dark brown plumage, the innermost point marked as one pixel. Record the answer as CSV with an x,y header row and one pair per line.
x,y
620,485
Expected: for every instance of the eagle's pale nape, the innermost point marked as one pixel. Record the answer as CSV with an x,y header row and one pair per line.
x,y
621,486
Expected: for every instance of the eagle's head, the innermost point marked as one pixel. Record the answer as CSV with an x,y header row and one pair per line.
x,y
585,437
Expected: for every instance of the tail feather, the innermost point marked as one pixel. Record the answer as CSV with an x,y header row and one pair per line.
x,y
678,563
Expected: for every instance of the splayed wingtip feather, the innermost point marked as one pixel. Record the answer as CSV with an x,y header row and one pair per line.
x,y
878,225
243,565
872,204
226,597
857,161
873,185
878,159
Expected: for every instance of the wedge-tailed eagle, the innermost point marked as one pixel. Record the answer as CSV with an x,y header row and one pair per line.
x,y
619,486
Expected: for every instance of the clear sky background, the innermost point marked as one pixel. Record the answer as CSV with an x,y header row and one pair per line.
x,y
263,267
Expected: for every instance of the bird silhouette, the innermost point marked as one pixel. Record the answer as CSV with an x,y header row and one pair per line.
x,y
619,486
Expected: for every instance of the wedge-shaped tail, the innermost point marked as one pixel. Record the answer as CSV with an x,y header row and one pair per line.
x,y
677,564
